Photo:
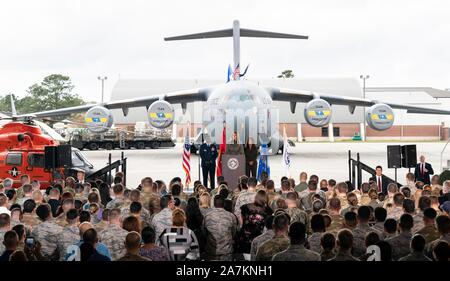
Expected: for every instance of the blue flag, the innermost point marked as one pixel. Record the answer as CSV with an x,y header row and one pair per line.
x,y
263,165
229,74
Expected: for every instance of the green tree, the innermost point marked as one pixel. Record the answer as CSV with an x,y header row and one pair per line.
x,y
5,103
286,74
54,92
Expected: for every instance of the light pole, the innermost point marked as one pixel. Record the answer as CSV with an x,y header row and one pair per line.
x,y
364,77
103,84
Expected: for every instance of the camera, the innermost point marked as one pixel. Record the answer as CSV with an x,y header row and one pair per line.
x,y
29,242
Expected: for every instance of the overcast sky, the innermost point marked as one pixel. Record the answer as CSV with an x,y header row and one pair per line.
x,y
398,43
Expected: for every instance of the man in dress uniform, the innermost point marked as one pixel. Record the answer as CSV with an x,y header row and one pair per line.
x,y
208,153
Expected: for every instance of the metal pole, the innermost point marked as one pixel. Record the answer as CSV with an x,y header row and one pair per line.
x,y
349,165
442,153
124,170
109,165
359,174
102,79
396,175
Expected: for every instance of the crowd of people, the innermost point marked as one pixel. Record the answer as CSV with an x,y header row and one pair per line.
x,y
259,220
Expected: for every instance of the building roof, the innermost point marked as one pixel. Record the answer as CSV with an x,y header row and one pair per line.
x,y
435,93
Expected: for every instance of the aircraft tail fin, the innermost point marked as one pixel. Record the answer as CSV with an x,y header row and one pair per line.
x,y
203,35
13,106
236,32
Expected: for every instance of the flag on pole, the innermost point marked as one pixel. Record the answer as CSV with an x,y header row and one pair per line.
x,y
286,158
187,158
263,165
222,149
229,73
236,73
245,71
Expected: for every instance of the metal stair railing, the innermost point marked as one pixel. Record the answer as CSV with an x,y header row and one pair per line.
x,y
355,168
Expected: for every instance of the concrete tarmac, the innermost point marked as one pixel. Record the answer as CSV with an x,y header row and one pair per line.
x,y
327,160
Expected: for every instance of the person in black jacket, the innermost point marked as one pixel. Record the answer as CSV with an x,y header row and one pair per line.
x,y
208,153
423,171
251,153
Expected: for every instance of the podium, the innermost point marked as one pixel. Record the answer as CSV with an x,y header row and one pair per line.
x,y
233,166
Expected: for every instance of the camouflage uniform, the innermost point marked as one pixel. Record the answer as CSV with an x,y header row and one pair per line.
x,y
113,237
327,255
2,237
161,221
389,200
99,227
344,256
415,256
364,200
374,204
70,235
150,201
30,220
221,227
205,211
429,232
271,247
258,241
314,242
19,193
115,203
145,214
359,236
337,223
349,208
61,220
343,199
379,228
301,187
245,197
46,233
429,250
296,253
395,213
418,222
298,215
400,245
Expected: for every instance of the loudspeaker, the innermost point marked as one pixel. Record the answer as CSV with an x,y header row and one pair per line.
x,y
64,156
50,157
409,156
394,156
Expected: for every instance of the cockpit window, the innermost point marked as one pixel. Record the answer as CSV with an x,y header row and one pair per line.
x,y
76,160
14,159
36,160
81,156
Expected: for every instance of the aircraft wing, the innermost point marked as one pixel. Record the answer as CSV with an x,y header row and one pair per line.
x,y
291,95
183,96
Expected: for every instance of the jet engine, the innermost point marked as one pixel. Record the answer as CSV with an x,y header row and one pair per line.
x,y
318,112
160,114
380,117
98,119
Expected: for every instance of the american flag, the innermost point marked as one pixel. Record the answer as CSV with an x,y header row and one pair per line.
x,y
187,158
236,73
